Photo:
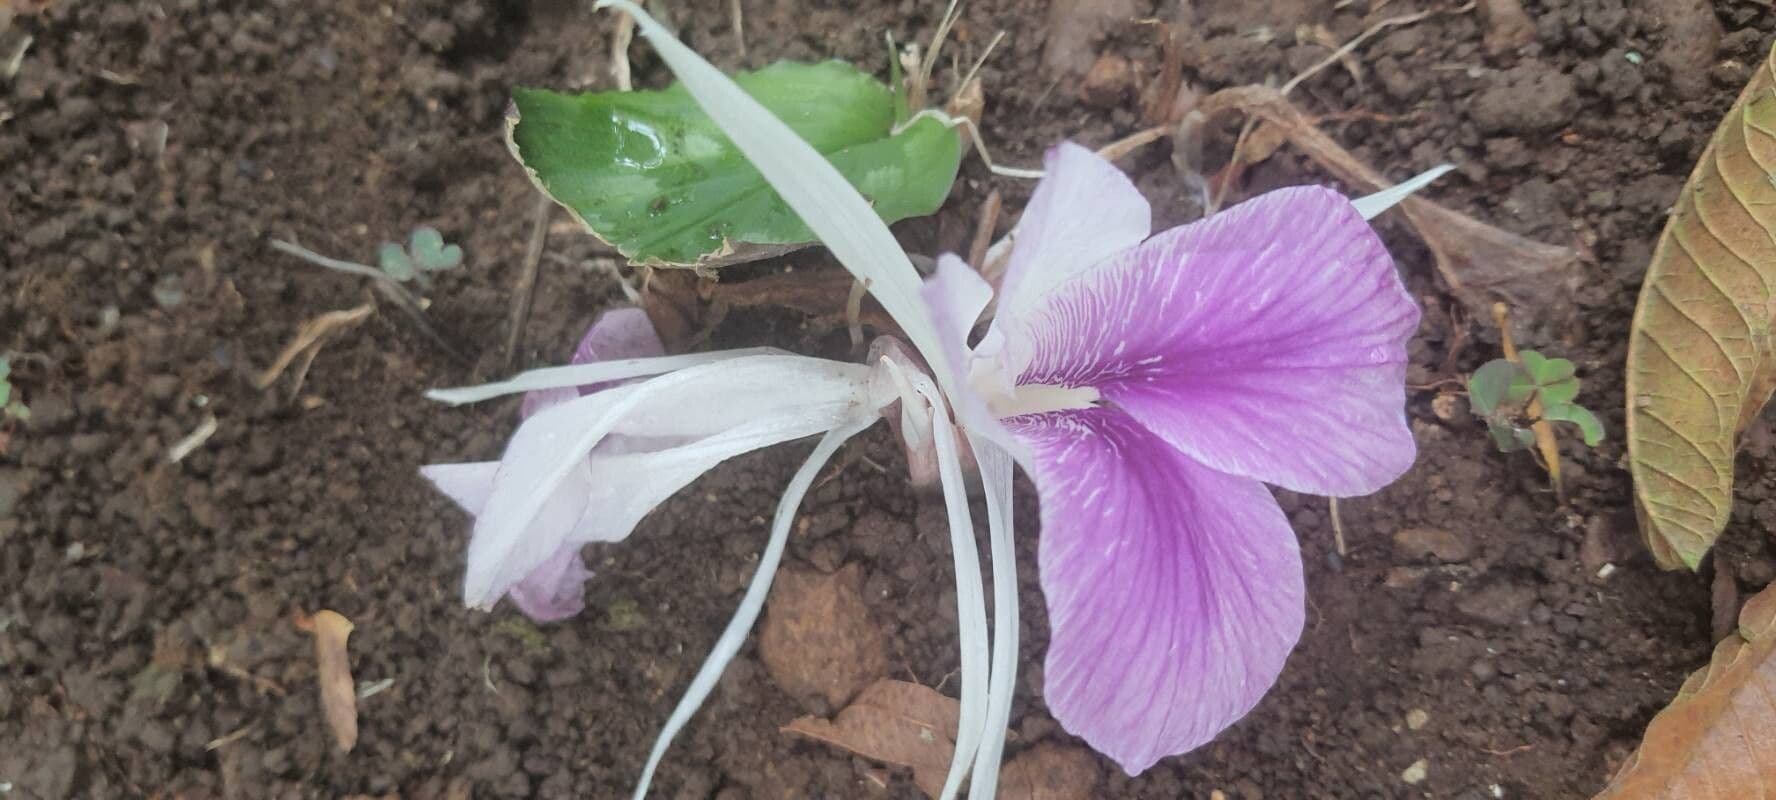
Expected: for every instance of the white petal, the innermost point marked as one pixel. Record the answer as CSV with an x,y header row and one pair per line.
x,y
995,471
573,375
467,484
551,489
1371,206
971,608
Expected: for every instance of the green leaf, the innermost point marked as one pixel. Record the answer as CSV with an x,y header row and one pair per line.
x,y
5,392
394,262
650,173
1589,426
429,252
1489,385
1547,371
18,411
1552,377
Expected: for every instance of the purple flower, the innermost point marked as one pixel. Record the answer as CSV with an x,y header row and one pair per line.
x,y
1152,387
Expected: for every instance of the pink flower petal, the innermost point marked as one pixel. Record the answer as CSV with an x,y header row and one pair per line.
x,y
1083,212
616,334
1174,591
1266,341
556,589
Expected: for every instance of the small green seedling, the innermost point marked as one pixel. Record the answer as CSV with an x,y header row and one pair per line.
x,y
425,253
12,409
1507,394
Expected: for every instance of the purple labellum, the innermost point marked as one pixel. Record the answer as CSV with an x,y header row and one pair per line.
x,y
1155,384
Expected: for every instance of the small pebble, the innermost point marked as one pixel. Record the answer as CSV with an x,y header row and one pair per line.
x,y
1417,718
1415,773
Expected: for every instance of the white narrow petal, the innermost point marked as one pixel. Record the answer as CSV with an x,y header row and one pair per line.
x,y
812,187
549,483
751,603
467,484
995,471
1371,206
971,604
626,486
581,374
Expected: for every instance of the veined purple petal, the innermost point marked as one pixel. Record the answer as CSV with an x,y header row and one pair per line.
x,y
616,334
1083,212
556,589
1266,341
1174,591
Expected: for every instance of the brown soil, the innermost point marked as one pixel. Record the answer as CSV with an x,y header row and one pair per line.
x,y
145,607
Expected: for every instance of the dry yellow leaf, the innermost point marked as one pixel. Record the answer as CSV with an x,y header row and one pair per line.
x,y
1699,365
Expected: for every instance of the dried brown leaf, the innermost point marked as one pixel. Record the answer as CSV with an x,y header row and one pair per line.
x,y
1482,264
339,696
1701,361
1717,739
897,723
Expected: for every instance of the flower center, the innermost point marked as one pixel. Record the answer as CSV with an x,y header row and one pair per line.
x,y
1040,398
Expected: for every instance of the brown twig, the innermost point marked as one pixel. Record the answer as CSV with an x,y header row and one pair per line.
x,y
1337,55
854,312
1132,142
312,335
524,292
388,287
984,226
738,16
620,39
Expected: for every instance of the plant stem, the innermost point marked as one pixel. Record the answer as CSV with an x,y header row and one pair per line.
x,y
1543,429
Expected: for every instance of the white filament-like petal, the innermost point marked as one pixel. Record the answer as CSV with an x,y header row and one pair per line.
x,y
840,217
734,635
584,374
995,472
1371,206
971,602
